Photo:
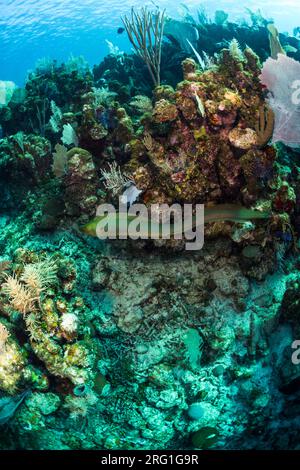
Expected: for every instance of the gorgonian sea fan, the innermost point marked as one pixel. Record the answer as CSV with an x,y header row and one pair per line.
x,y
282,79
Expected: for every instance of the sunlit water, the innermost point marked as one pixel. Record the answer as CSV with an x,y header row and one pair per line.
x,y
30,29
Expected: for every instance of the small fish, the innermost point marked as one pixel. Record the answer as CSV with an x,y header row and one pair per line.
x,y
120,30
220,212
8,406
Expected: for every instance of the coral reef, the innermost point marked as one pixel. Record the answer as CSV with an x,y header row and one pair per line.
x,y
140,344
24,162
36,289
145,31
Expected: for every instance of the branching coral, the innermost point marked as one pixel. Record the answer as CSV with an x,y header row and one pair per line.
x,y
115,180
145,31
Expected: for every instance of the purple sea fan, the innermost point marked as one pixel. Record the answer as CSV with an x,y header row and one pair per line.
x,y
282,79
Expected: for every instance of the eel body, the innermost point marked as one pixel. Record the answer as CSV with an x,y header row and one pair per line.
x,y
121,221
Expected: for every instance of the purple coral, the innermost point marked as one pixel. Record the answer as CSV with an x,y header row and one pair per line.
x,y
281,77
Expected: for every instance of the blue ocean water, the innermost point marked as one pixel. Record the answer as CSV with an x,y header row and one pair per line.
x,y
31,29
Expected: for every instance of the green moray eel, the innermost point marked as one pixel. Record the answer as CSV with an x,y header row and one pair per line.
x,y
232,212
221,212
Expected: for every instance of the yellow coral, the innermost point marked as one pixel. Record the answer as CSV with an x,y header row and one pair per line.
x,y
39,276
23,293
12,364
21,298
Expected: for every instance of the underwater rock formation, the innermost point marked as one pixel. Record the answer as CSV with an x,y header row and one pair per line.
x,y
201,155
36,289
24,163
80,183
